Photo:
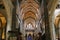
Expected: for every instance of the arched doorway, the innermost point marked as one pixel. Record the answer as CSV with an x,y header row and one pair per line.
x,y
57,26
2,27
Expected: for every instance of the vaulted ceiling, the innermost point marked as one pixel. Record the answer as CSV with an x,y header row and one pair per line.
x,y
29,8
29,15
29,11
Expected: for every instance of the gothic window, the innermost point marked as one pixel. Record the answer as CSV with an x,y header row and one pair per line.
x,y
29,26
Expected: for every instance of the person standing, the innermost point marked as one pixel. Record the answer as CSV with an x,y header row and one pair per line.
x,y
29,37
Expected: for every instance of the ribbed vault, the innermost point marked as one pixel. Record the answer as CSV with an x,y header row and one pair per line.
x,y
29,15
29,12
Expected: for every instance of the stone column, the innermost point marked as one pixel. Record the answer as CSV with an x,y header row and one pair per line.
x,y
51,19
14,19
8,6
52,28
21,26
46,20
36,26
